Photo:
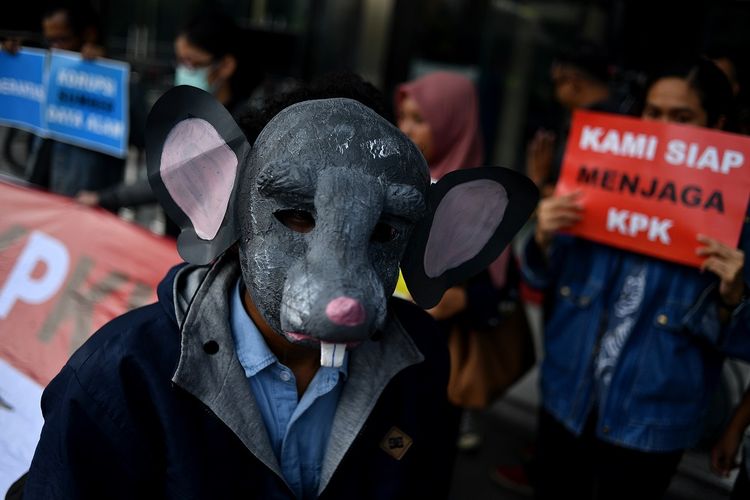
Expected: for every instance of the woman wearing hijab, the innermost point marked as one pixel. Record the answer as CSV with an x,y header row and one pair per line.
x,y
440,114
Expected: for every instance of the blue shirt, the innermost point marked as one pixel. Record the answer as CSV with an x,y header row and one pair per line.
x,y
298,429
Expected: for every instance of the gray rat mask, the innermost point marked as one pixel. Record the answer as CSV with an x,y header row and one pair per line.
x,y
325,206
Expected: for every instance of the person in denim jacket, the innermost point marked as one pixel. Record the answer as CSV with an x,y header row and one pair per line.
x,y
633,345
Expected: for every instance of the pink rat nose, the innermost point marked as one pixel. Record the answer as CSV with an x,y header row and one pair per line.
x,y
345,311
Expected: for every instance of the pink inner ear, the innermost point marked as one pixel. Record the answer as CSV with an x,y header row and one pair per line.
x,y
198,170
467,217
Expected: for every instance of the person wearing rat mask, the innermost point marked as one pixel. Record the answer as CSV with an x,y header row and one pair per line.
x,y
276,364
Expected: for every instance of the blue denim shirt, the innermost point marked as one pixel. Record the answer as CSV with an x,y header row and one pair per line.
x,y
297,428
664,377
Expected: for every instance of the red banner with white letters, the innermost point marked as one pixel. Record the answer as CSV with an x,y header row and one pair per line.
x,y
65,270
652,187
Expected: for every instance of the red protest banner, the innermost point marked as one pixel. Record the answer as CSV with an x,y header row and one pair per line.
x,y
65,270
652,187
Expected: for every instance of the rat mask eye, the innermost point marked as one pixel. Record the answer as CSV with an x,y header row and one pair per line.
x,y
299,221
384,233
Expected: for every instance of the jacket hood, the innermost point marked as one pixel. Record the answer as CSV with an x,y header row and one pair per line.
x,y
176,291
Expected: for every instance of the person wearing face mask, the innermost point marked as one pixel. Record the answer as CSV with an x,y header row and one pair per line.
x,y
208,56
633,345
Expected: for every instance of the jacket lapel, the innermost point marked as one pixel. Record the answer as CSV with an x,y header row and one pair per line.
x,y
372,365
209,369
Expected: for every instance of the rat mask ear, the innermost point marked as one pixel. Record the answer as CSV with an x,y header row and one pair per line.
x,y
194,150
473,215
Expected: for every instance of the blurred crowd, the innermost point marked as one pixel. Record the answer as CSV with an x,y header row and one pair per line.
x,y
633,346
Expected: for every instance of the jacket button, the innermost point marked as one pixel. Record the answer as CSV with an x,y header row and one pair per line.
x,y
584,301
565,291
662,319
605,429
211,347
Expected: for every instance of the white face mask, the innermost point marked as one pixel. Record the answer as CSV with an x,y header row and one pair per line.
x,y
195,77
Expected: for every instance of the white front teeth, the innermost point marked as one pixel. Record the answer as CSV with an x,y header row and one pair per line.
x,y
332,355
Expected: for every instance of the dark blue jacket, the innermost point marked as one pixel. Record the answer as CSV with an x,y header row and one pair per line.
x,y
118,426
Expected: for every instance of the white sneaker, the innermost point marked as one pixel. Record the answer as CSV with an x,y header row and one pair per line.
x,y
469,438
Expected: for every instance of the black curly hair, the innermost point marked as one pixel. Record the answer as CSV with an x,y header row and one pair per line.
x,y
336,84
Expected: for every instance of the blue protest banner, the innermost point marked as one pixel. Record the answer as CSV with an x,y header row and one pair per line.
x,y
87,102
22,89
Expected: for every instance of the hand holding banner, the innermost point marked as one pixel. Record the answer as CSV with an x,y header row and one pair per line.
x,y
652,187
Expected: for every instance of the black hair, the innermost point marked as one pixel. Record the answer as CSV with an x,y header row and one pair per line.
x,y
218,34
588,58
730,53
213,32
335,84
79,14
707,80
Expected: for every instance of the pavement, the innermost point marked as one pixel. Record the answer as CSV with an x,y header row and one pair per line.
x,y
508,429
505,440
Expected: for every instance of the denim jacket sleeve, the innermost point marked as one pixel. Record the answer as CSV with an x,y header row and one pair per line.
x,y
733,337
738,337
738,329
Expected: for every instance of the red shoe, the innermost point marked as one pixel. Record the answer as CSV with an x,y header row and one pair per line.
x,y
513,478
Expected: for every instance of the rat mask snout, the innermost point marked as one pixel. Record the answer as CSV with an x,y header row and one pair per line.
x,y
336,290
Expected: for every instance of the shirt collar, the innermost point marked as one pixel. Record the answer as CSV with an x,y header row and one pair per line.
x,y
252,350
